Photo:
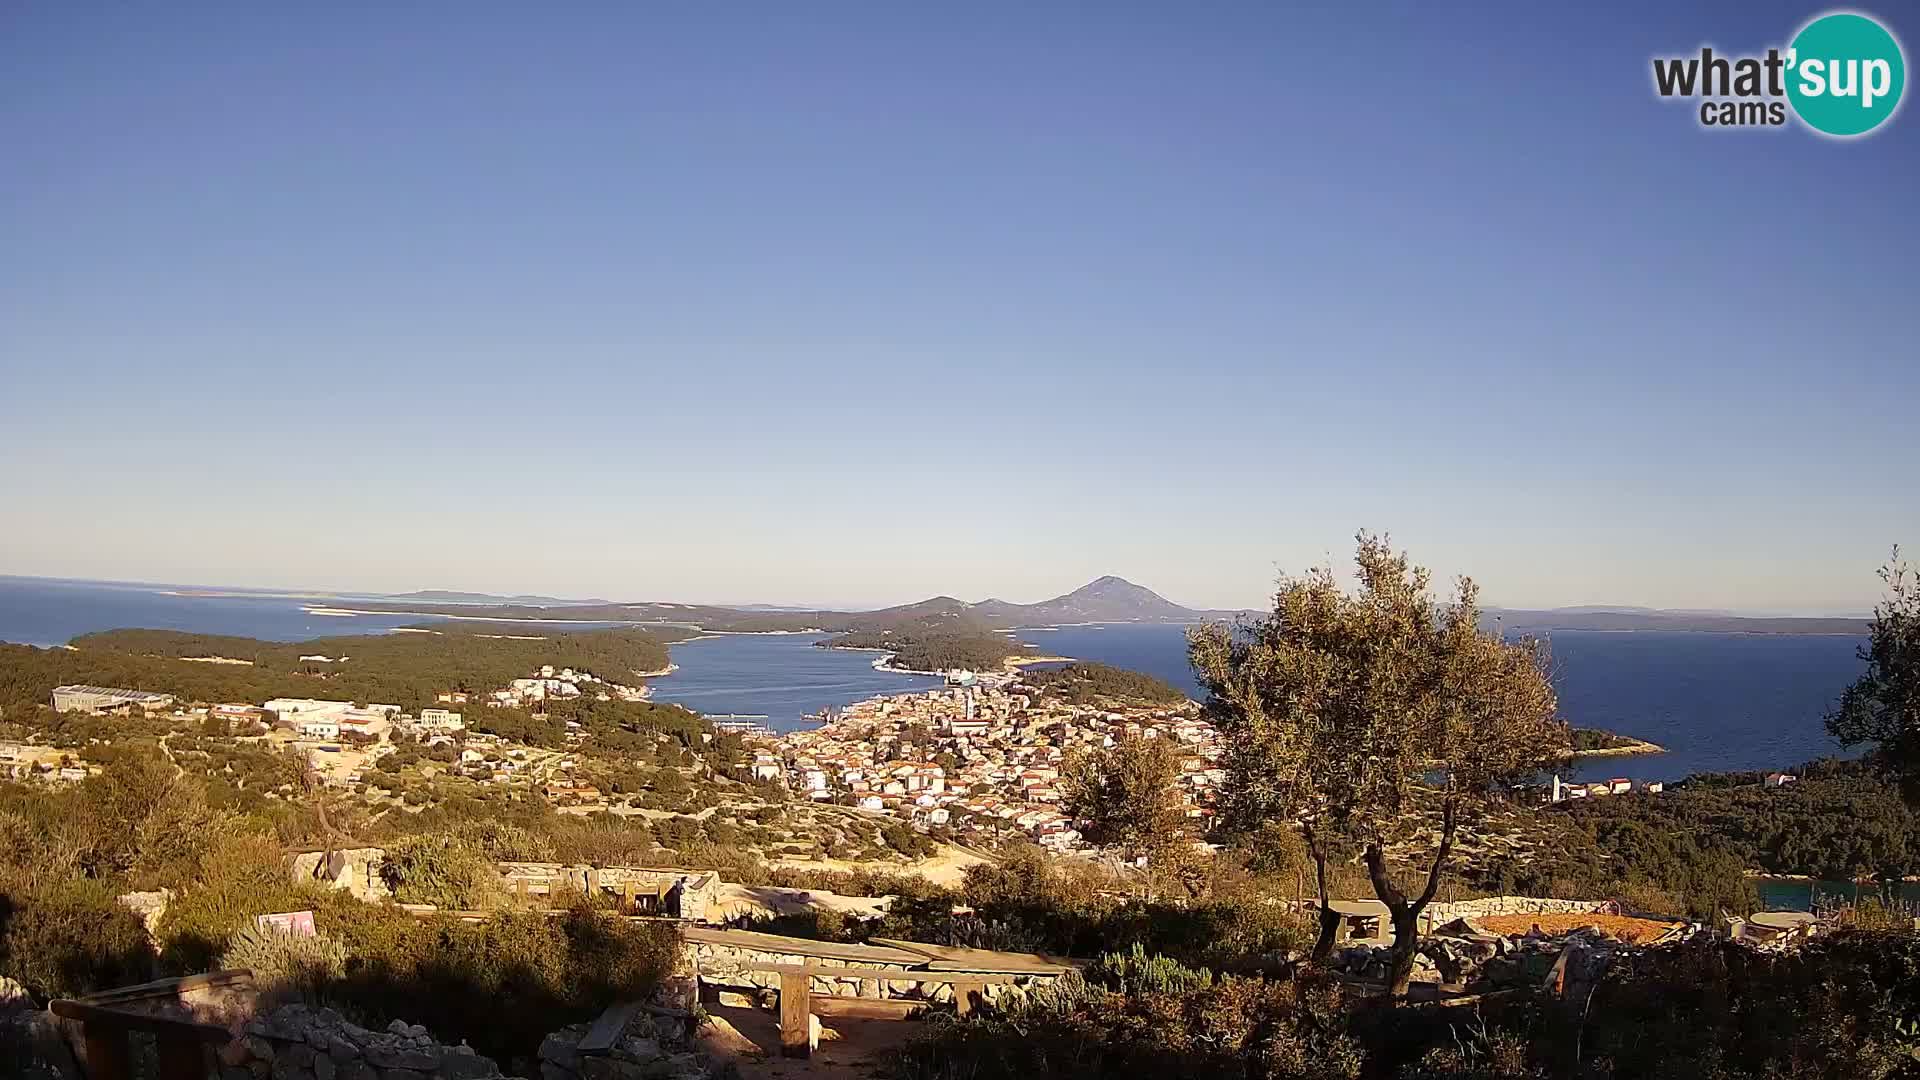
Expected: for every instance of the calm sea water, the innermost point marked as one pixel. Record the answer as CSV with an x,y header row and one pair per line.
x,y
1715,701
36,611
779,676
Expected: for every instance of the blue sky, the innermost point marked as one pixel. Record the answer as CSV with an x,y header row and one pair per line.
x,y
844,303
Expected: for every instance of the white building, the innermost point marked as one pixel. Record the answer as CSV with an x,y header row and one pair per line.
x,y
99,699
441,720
288,710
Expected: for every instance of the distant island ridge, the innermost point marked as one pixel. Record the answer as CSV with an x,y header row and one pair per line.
x,y
1108,599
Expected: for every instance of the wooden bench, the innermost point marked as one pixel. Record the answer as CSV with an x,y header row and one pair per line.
x,y
796,993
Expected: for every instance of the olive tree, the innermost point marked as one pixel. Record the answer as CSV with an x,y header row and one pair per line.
x,y
1127,796
1882,706
1361,716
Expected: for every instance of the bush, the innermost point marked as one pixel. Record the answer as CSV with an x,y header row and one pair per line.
x,y
1135,972
285,966
502,983
1236,1028
72,938
240,877
443,870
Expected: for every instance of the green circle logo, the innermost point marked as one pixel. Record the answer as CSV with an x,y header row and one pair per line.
x,y
1845,74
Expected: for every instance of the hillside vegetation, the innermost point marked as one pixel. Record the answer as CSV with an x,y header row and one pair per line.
x,y
1086,683
405,669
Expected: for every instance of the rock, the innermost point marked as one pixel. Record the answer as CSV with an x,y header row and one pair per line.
x,y
720,1039
640,1049
404,1056
550,1071
463,1063
342,1050
607,1068
734,999
324,1067
298,1054
400,1027
561,1051
285,1069
233,1053
356,1070
150,906
402,1074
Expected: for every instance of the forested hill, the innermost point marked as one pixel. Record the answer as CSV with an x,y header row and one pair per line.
x,y
405,669
1087,683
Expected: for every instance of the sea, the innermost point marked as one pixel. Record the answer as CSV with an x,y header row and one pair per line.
x,y
1716,702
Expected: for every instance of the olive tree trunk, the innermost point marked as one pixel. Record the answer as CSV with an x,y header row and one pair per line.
x,y
1405,913
1329,922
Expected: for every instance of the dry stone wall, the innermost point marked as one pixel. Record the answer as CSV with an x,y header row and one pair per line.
x,y
298,1043
655,1044
1440,914
726,967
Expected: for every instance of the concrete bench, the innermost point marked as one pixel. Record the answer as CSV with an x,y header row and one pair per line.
x,y
796,993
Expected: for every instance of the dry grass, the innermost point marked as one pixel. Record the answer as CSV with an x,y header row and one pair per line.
x,y
1620,927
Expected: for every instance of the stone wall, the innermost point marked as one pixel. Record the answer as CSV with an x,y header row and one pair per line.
x,y
356,870
657,1043
1438,914
295,1042
725,967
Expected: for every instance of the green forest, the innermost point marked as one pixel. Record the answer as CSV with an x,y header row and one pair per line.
x,y
405,669
1840,820
1086,683
933,648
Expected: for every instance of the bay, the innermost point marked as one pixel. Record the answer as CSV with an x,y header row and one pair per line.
x,y
1717,702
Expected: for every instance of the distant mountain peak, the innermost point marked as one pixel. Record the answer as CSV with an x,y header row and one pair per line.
x,y
1104,599
1110,585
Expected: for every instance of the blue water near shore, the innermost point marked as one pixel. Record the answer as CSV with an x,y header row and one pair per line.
x,y
1717,702
780,676
37,611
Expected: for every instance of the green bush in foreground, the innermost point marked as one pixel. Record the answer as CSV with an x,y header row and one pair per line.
x,y
285,965
1236,1028
72,938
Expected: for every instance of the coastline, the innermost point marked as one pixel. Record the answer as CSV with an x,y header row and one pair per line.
x,y
1638,748
1008,666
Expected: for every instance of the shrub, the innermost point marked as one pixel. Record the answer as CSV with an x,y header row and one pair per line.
x,y
443,870
501,983
1135,972
1236,1028
240,877
286,966
72,938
